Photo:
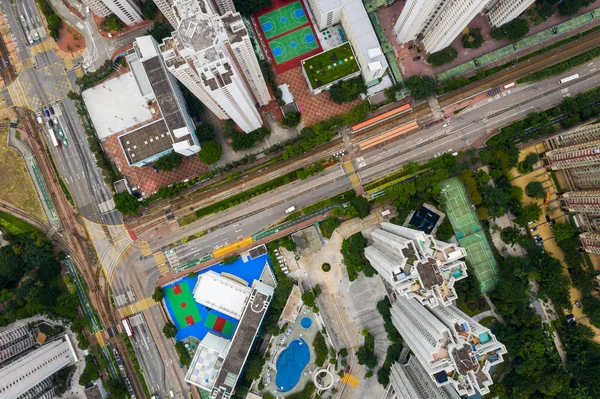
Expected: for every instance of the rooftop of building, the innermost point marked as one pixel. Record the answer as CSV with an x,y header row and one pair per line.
x,y
116,105
198,32
234,26
223,293
147,141
207,361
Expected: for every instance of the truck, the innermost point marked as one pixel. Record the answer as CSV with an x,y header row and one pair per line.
x,y
40,120
53,138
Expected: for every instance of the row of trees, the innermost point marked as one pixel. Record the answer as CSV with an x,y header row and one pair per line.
x,y
210,149
53,20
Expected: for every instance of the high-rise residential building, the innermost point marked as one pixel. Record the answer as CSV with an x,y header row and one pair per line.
x,y
30,374
128,11
167,9
585,201
213,57
223,6
582,154
503,11
353,17
98,7
411,381
417,265
436,23
14,342
590,241
453,349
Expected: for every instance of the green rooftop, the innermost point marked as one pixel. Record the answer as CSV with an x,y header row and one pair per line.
x,y
330,65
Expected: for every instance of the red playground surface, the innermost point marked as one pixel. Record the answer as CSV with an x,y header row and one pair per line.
x,y
219,324
189,320
176,289
264,43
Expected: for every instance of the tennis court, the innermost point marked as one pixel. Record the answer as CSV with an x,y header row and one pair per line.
x,y
183,304
282,20
469,233
292,45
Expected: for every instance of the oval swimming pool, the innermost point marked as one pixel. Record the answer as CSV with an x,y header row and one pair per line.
x,y
306,322
290,364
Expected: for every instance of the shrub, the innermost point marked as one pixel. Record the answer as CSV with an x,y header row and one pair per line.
x,y
535,189
321,351
158,294
308,298
184,356
473,39
328,226
126,203
169,162
112,22
210,152
497,33
443,56
229,260
242,141
291,120
326,267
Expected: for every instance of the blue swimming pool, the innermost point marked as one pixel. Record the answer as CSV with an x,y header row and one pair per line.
x,y
306,322
290,364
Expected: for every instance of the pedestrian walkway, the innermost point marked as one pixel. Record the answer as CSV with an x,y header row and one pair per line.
x,y
161,262
144,248
42,47
137,307
350,380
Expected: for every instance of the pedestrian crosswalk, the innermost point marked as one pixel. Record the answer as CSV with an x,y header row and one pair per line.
x,y
78,71
349,169
137,307
161,262
42,47
68,63
144,248
27,63
350,380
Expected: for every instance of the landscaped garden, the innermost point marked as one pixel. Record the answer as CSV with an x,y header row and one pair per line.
x,y
329,66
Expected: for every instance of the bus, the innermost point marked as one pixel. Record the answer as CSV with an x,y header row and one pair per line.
x,y
53,137
568,78
127,327
508,86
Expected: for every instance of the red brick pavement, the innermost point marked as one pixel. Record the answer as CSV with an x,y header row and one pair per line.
x,y
314,108
148,180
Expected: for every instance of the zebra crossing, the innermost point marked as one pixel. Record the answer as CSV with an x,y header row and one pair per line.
x,y
349,169
161,262
137,307
145,248
350,380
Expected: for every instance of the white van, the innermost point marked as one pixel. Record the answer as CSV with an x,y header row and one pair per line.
x,y
290,209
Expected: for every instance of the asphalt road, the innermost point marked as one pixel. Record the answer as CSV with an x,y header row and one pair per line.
x,y
461,133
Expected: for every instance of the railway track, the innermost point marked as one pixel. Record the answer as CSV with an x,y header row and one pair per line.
x,y
155,216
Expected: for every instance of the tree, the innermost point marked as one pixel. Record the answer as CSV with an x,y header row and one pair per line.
x,y
530,213
321,351
67,305
497,33
205,132
309,299
535,189
184,356
160,31
248,7
563,231
516,29
54,24
443,56
210,152
112,22
569,8
511,235
158,294
292,119
362,206
126,203
473,39
116,388
169,162
347,90
150,9
445,230
421,86
91,371
170,330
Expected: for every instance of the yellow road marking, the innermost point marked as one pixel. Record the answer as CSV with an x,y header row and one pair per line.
x,y
354,180
232,247
137,307
348,167
350,380
145,248
27,63
68,63
78,71
163,269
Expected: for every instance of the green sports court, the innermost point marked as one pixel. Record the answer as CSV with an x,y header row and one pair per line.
x,y
293,44
219,324
470,234
282,20
183,305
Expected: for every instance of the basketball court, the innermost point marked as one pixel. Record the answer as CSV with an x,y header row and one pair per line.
x,y
282,20
293,45
183,304
219,324
469,233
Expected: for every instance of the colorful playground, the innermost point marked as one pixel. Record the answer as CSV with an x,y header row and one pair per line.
x,y
287,34
196,320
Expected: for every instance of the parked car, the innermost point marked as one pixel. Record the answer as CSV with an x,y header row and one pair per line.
x,y
51,109
537,237
347,371
548,219
533,229
46,112
417,58
578,304
55,120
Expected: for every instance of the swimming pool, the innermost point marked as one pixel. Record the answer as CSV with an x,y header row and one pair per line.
x,y
290,364
306,322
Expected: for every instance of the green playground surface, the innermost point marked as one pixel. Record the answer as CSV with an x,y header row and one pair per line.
x,y
282,20
183,305
293,44
469,233
219,324
331,65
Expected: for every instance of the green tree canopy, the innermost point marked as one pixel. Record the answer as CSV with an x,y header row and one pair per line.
x,y
473,39
210,152
160,31
126,203
530,213
158,294
112,22
292,119
309,299
116,388
443,56
170,330
511,235
421,86
205,132
535,189
347,90
362,206
169,162
516,29
150,9
249,7
563,231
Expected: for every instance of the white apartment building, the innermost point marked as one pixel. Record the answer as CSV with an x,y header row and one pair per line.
x,y
214,58
504,11
411,381
167,9
222,7
98,7
416,265
452,348
127,11
353,17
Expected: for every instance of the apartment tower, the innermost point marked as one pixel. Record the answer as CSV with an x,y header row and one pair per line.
x,y
411,381
128,11
503,11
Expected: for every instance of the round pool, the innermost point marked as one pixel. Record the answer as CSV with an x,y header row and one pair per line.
x,y
306,322
290,364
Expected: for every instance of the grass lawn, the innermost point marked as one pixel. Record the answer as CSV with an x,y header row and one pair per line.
x,y
16,186
330,65
14,225
488,321
472,308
